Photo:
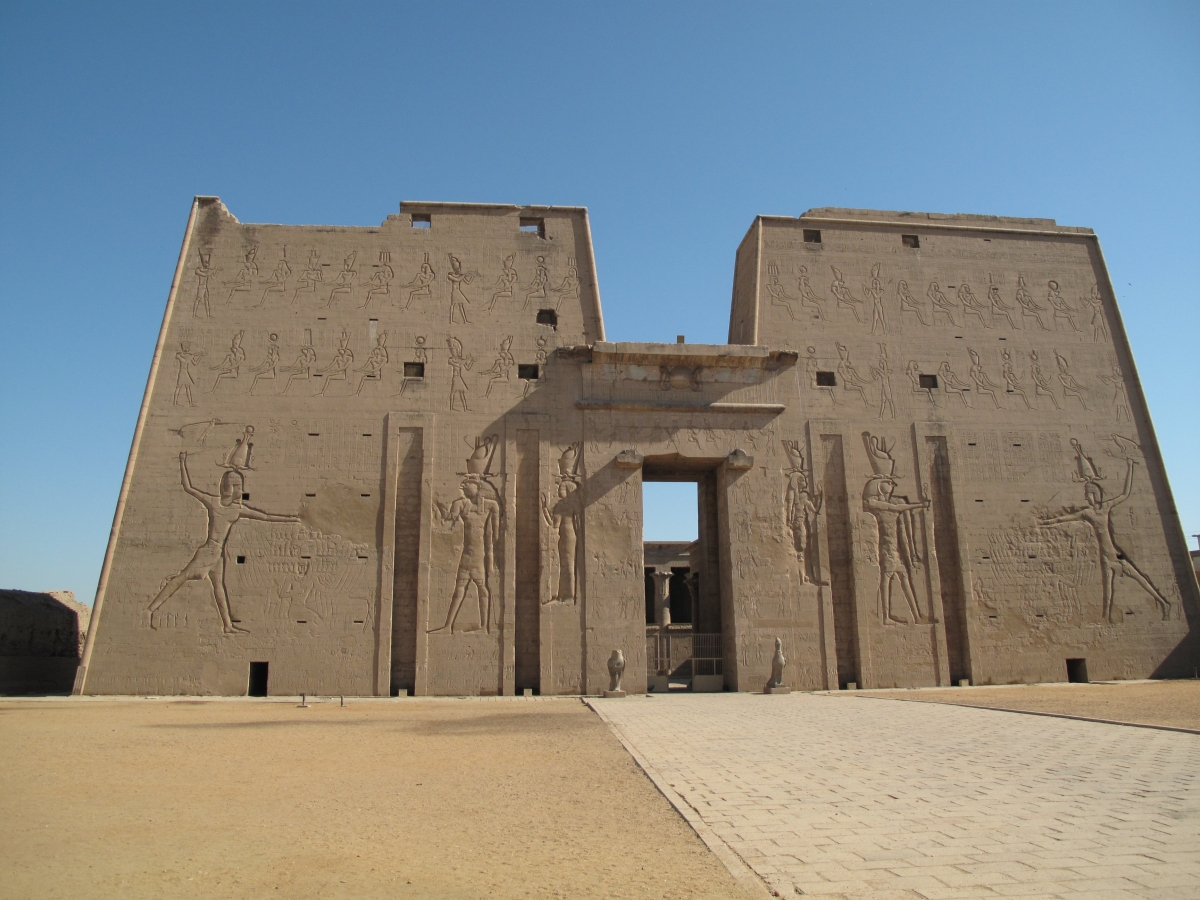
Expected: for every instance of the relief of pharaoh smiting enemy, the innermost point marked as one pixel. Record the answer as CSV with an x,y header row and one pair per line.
x,y
225,509
1097,515
478,507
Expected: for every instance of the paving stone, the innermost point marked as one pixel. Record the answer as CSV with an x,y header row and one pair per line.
x,y
840,796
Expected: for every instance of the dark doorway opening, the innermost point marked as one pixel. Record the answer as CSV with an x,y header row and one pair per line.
x,y
1077,671
682,577
258,679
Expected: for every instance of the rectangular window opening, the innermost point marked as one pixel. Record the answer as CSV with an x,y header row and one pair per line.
x,y
826,379
314,434
310,495
364,495
1077,671
245,496
531,225
241,560
257,686
422,220
911,241
812,236
528,371
928,382
547,317
414,370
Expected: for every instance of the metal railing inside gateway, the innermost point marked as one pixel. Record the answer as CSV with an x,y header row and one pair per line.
x,y
682,653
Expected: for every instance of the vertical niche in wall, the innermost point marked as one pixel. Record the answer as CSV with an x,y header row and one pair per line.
x,y
841,559
949,562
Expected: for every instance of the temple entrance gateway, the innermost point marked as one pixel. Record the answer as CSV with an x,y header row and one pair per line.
x,y
683,589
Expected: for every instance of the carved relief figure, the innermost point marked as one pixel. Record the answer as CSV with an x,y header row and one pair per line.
x,y
851,380
801,510
874,292
569,289
208,562
971,305
1012,383
1041,382
842,294
1099,324
896,549
458,362
345,280
540,358
882,373
563,517
244,280
1071,387
501,368
458,300
277,284
339,366
983,384
184,360
305,360
1061,311
951,384
997,304
1029,307
779,296
808,297
537,288
506,283
478,508
265,370
229,366
422,283
372,369
381,281
310,277
940,303
1097,514
204,274
1120,394
908,303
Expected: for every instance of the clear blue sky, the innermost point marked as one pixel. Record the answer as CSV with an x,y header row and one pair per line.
x,y
675,123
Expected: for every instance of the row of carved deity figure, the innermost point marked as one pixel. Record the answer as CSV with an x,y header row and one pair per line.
x,y
341,369
897,545
937,307
1043,382
345,285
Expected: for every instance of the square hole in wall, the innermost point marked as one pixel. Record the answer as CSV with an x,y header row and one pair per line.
x,y
826,379
547,317
911,241
533,226
812,236
928,382
241,560
245,496
422,220
414,370
528,371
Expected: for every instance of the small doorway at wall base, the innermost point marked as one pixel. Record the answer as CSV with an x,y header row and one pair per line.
x,y
258,680
1077,671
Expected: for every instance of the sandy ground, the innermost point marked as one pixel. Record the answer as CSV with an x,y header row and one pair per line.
x,y
1174,703
408,798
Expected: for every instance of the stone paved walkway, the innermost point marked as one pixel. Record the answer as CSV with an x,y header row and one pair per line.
x,y
839,796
